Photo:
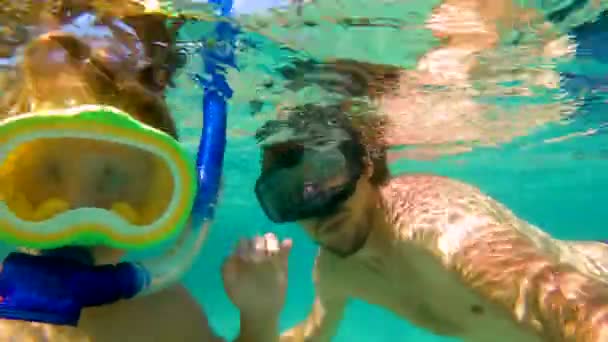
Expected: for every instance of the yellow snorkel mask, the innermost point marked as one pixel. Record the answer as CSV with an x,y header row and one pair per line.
x,y
35,214
54,287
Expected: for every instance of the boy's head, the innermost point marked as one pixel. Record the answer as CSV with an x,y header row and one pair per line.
x,y
79,56
83,57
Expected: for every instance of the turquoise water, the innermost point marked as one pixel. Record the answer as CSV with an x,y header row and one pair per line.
x,y
550,188
560,187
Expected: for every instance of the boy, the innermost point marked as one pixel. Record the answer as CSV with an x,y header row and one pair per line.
x,y
128,67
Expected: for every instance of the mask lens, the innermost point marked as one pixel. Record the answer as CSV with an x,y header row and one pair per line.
x,y
43,178
300,182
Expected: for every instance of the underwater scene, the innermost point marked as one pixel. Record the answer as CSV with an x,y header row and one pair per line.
x,y
447,157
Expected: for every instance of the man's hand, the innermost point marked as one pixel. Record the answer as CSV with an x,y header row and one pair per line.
x,y
255,276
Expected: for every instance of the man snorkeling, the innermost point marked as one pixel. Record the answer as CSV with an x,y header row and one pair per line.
x,y
437,252
98,53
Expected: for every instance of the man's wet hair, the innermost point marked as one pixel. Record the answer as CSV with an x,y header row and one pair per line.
x,y
365,130
345,77
358,85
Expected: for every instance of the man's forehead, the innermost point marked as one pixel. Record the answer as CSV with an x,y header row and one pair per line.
x,y
307,123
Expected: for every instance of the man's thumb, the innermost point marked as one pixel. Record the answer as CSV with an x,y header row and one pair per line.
x,y
286,247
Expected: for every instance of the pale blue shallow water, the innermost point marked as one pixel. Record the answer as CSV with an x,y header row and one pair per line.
x,y
559,187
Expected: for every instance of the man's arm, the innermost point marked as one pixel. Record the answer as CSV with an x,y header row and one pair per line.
x,y
327,309
552,296
546,284
321,324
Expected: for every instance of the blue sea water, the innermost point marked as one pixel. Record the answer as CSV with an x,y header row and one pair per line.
x,y
553,189
561,188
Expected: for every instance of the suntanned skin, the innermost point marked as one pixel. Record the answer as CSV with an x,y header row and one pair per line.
x,y
57,71
449,259
440,253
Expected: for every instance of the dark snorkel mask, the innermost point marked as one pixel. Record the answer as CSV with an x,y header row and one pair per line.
x,y
310,165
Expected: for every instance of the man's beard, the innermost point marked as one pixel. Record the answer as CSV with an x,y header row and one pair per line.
x,y
359,239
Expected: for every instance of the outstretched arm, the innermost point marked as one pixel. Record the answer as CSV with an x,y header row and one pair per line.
x,y
553,293
320,325
327,309
548,285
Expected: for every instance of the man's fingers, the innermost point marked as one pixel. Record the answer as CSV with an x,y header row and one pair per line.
x,y
262,249
286,247
272,244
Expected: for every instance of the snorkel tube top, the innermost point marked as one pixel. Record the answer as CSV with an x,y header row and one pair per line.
x,y
53,289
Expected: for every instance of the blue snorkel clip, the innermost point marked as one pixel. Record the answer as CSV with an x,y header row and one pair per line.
x,y
54,289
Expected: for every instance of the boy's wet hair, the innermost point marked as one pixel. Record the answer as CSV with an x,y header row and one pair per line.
x,y
144,98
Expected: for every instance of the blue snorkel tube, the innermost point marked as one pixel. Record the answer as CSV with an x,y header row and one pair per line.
x,y
53,289
158,273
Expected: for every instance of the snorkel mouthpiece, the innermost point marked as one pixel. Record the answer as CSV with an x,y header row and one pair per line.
x,y
54,289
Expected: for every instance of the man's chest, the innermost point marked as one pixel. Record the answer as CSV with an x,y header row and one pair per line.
x,y
423,292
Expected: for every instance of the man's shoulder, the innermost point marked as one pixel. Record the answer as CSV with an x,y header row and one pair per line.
x,y
422,182
429,210
405,195
419,191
